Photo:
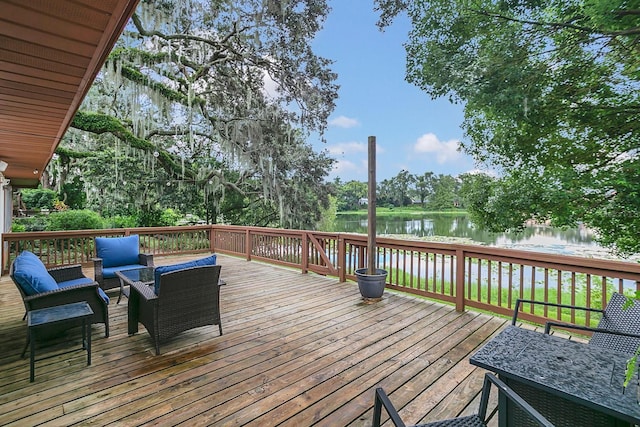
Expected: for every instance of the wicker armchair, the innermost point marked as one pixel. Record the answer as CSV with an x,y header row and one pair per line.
x,y
186,299
117,253
87,291
618,329
477,420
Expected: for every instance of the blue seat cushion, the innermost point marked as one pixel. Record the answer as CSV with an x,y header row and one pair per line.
x,y
210,260
110,272
32,275
116,251
82,281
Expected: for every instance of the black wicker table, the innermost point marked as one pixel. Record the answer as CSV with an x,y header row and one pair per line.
x,y
77,313
137,275
570,383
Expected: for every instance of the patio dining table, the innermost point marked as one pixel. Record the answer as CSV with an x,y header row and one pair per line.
x,y
569,382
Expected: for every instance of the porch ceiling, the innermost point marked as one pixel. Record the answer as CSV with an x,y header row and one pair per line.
x,y
50,53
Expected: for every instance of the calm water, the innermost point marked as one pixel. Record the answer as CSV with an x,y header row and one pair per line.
x,y
576,241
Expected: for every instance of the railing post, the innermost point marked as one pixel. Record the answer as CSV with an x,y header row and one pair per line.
x,y
342,259
212,236
305,253
460,280
247,244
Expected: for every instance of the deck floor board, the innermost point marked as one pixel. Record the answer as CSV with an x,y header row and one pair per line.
x,y
296,350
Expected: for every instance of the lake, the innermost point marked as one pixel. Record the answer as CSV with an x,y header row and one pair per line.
x,y
442,227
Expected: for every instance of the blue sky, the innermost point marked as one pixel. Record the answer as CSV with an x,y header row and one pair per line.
x,y
413,132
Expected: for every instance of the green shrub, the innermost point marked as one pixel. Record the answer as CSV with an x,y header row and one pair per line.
x,y
39,198
32,223
121,221
169,218
75,220
18,228
158,218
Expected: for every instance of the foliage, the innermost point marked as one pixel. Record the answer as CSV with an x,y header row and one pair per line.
x,y
434,192
349,194
30,223
158,218
169,218
75,220
17,227
551,98
204,107
39,198
121,221
328,216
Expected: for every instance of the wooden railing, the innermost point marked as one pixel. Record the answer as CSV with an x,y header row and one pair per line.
x,y
465,275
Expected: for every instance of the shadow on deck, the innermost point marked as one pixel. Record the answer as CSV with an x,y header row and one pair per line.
x,y
298,349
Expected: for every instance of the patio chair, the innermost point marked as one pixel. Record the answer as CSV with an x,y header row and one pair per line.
x,y
618,329
480,419
40,287
115,254
187,298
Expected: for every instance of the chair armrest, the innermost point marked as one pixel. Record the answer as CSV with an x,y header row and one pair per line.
x,y
516,309
98,275
65,273
76,293
146,259
146,292
563,325
382,401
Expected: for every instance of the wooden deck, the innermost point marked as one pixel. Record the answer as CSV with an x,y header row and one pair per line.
x,y
297,350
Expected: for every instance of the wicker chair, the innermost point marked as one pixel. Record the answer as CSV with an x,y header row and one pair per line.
x,y
186,299
75,293
117,253
477,420
618,329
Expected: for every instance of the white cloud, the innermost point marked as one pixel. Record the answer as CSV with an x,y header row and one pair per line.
x,y
347,148
344,166
353,147
488,172
445,151
344,122
270,88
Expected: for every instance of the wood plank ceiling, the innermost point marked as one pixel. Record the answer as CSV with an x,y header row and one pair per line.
x,y
50,53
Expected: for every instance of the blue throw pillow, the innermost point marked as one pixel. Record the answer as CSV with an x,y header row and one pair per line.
x,y
116,251
31,274
210,260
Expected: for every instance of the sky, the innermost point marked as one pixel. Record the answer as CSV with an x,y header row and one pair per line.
x,y
413,132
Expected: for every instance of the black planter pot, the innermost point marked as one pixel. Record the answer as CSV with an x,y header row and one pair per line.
x,y
371,285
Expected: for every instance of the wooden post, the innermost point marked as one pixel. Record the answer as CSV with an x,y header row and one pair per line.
x,y
460,296
305,253
371,241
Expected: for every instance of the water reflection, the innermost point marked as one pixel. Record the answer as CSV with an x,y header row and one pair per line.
x,y
536,237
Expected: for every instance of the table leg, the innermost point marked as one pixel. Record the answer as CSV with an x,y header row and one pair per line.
x,y
32,356
88,326
121,291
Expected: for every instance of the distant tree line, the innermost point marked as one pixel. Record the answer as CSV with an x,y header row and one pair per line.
x,y
431,191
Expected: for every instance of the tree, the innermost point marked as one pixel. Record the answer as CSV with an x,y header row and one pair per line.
x,y
552,99
445,192
423,187
350,194
201,101
402,183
